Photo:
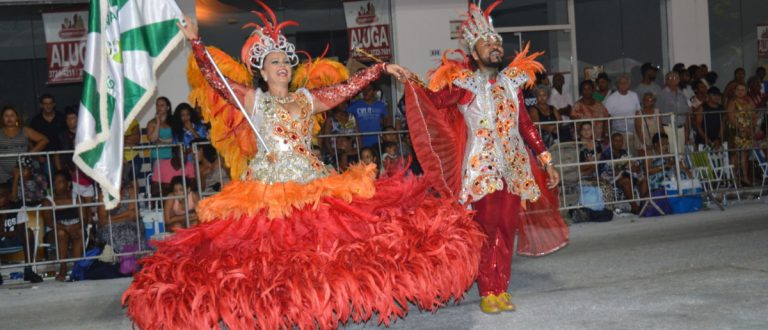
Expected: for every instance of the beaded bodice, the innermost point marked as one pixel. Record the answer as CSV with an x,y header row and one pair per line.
x,y
288,137
495,148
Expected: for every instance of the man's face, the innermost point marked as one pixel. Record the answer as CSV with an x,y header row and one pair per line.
x,y
72,121
623,85
650,74
673,80
558,80
47,105
369,93
617,142
488,53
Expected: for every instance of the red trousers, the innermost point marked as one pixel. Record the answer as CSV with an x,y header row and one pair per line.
x,y
498,215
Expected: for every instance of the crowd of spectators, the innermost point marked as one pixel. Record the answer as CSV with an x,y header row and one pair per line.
x,y
609,123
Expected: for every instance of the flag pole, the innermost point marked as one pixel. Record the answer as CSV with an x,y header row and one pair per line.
x,y
237,101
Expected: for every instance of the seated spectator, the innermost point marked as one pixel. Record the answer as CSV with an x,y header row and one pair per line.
x,y
213,174
659,168
647,124
120,227
588,108
392,161
187,126
14,140
619,171
713,118
603,87
28,185
542,112
13,233
621,105
370,114
174,210
344,155
588,152
69,226
176,166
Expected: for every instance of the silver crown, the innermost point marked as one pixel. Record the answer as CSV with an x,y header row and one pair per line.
x,y
267,45
477,26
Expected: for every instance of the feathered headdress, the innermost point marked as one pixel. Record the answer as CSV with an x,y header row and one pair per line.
x,y
478,25
450,69
267,39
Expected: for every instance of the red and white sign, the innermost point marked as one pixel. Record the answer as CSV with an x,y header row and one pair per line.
x,y
762,42
368,28
65,34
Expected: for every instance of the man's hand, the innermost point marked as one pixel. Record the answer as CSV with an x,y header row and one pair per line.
x,y
554,177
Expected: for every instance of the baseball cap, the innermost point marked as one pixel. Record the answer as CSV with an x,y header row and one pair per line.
x,y
647,66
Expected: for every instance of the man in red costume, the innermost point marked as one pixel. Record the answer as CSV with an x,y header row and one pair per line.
x,y
495,172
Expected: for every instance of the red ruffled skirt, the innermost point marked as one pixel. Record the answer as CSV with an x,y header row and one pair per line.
x,y
350,251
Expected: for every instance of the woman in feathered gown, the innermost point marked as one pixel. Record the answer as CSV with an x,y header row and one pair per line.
x,y
290,244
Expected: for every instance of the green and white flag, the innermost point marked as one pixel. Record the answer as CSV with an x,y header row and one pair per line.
x,y
127,41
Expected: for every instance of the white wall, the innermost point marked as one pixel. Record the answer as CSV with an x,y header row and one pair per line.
x,y
688,32
172,76
420,27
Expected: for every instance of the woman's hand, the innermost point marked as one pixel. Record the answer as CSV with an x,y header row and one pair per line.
x,y
190,29
400,73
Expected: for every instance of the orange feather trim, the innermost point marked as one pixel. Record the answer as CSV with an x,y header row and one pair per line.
x,y
525,63
449,70
278,200
230,133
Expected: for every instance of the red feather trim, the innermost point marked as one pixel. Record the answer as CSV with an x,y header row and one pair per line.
x,y
319,268
487,11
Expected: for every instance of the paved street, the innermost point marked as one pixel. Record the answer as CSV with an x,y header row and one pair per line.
x,y
706,270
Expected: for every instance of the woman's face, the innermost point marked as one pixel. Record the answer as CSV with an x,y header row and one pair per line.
x,y
542,96
366,156
178,189
72,121
10,118
740,74
586,132
649,101
277,68
740,91
587,90
162,107
60,184
185,117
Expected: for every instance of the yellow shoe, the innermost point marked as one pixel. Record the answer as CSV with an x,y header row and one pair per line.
x,y
505,303
489,304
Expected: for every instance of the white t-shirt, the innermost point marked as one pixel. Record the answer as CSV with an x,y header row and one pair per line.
x,y
622,106
560,101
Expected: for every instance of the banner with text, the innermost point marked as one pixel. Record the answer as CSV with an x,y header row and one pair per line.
x,y
65,36
368,28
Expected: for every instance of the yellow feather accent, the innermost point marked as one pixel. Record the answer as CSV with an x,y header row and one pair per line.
x,y
527,64
230,134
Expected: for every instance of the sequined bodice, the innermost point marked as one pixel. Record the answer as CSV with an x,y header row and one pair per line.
x,y
495,149
288,137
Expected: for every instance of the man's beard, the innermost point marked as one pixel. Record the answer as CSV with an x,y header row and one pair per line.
x,y
492,61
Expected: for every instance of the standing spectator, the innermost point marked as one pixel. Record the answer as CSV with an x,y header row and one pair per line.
x,y
647,124
760,74
754,92
82,185
370,115
740,128
542,112
620,105
698,131
710,78
589,152
739,76
131,138
159,132
14,232
671,100
15,139
339,122
648,84
588,108
187,126
713,117
560,98
686,84
69,227
49,122
696,73
603,89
